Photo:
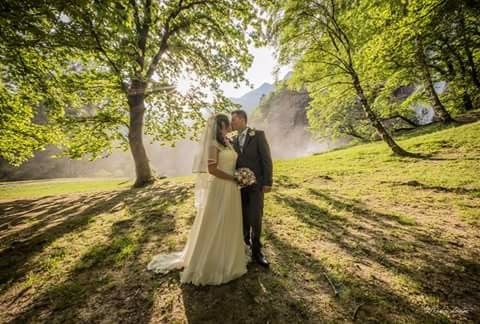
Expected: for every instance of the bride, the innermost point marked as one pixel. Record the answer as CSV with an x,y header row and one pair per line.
x,y
215,251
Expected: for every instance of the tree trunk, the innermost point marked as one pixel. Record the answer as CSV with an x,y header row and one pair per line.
x,y
472,69
437,105
350,130
136,103
381,130
405,119
467,101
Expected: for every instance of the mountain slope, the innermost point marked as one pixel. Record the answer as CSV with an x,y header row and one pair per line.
x,y
282,114
251,99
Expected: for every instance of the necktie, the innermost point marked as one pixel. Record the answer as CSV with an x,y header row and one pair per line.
x,y
241,141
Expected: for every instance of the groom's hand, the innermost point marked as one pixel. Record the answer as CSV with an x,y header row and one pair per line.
x,y
267,189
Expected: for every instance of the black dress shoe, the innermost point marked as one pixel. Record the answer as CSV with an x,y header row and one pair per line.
x,y
261,260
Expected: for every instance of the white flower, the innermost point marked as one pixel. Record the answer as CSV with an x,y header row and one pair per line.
x,y
251,132
231,136
245,177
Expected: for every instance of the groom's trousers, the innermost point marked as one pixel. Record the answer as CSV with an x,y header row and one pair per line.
x,y
252,211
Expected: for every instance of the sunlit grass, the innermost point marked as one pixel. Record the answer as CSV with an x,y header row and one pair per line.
x,y
53,187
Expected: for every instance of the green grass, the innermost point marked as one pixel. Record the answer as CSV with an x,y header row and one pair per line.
x,y
40,188
356,230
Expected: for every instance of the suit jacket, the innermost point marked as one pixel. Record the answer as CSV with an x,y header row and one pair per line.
x,y
255,156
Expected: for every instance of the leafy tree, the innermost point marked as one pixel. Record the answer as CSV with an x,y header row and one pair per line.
x,y
112,68
456,51
320,40
28,85
399,50
419,43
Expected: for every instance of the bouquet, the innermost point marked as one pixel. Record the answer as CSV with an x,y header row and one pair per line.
x,y
245,177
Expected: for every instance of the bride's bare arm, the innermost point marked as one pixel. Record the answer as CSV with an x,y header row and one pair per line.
x,y
213,170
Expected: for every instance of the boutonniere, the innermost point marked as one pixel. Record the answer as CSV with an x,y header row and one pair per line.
x,y
231,136
251,132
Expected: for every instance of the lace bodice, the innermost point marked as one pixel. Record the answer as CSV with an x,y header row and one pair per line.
x,y
227,159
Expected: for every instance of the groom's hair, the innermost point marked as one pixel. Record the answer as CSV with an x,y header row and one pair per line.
x,y
240,113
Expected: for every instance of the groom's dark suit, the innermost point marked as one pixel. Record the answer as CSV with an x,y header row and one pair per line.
x,y
255,156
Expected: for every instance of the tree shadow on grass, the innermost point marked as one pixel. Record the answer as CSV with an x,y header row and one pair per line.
x,y
107,283
260,296
475,192
353,291
53,223
369,237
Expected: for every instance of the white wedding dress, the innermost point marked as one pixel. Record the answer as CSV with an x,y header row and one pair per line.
x,y
215,251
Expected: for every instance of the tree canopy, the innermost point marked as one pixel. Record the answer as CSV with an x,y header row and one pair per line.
x,y
350,55
104,72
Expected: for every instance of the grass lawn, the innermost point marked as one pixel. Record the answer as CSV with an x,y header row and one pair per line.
x,y
352,235
40,188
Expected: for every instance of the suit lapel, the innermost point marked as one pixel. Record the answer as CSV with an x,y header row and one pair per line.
x,y
236,144
247,140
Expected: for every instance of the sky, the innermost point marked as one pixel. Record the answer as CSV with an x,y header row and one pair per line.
x,y
262,70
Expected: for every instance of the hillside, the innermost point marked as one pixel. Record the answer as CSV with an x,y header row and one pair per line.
x,y
282,114
251,99
352,234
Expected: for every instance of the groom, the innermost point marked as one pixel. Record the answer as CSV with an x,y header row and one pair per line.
x,y
253,153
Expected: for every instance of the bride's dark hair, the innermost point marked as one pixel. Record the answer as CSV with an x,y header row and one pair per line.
x,y
222,121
